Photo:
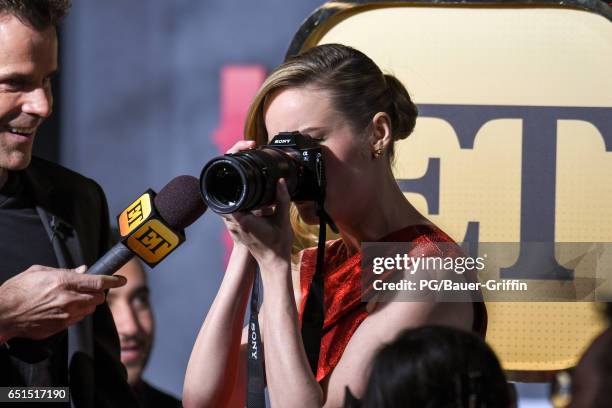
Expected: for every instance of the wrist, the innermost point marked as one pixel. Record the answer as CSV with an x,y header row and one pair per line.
x,y
276,275
277,265
240,250
5,324
241,254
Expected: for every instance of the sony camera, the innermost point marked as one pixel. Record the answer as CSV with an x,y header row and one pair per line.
x,y
247,180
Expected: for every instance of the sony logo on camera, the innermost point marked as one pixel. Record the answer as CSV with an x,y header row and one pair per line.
x,y
290,138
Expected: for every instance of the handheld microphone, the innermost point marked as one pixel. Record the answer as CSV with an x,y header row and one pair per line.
x,y
153,225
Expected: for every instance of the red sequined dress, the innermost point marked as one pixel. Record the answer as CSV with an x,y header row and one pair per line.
x,y
344,310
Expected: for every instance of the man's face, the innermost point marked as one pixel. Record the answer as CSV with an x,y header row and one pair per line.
x,y
133,318
28,59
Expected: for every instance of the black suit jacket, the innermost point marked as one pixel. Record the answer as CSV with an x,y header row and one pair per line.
x,y
74,208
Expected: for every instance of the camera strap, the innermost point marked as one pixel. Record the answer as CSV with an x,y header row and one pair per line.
x,y
255,366
314,310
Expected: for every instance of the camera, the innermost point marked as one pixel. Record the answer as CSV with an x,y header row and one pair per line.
x,y
247,180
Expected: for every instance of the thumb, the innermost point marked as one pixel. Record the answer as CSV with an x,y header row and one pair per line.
x,y
81,269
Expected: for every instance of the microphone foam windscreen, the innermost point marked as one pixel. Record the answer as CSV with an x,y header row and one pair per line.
x,y
180,202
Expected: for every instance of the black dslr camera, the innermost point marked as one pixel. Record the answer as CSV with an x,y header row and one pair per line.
x,y
247,180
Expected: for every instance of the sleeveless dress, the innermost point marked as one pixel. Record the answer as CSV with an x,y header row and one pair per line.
x,y
344,310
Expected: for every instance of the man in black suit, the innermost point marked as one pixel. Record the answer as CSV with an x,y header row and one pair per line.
x,y
49,216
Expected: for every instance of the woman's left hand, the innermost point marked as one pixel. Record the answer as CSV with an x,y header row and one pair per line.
x,y
266,232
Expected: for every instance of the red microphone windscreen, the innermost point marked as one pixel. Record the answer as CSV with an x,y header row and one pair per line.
x,y
180,202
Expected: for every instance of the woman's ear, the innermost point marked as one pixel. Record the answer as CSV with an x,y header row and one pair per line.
x,y
380,136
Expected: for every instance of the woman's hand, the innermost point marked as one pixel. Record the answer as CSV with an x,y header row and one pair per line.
x,y
229,221
265,232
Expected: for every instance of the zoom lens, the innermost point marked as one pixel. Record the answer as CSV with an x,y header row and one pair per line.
x,y
247,180
224,179
230,183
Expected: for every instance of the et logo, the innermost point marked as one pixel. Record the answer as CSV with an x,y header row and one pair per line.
x,y
534,165
145,233
153,241
135,214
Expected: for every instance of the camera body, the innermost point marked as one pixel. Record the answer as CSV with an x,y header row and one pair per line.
x,y
247,180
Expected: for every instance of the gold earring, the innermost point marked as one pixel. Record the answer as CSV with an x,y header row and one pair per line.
x,y
378,153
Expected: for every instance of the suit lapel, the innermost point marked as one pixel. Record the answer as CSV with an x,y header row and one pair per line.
x,y
54,212
48,200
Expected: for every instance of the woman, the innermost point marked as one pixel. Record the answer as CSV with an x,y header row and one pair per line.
x,y
339,97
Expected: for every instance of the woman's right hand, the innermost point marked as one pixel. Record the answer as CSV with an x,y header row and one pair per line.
x,y
266,232
230,222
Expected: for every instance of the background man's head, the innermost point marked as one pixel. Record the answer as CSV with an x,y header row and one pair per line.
x,y
28,59
134,319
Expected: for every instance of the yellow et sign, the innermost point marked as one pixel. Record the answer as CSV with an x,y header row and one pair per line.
x,y
135,214
152,241
513,144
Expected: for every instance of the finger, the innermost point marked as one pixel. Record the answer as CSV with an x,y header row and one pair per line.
x,y
91,283
230,218
283,199
230,223
264,211
237,217
83,300
98,298
241,145
81,269
115,281
245,221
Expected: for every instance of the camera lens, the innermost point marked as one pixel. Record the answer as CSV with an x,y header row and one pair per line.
x,y
224,180
228,184
247,180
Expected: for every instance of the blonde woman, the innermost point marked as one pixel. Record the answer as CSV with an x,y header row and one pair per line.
x,y
339,97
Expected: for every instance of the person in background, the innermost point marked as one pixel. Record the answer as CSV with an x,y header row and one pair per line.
x,y
135,323
435,366
591,380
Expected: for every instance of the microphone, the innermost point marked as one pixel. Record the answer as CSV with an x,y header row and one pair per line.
x,y
153,225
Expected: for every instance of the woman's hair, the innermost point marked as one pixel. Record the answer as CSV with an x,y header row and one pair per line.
x,y
357,87
358,90
435,366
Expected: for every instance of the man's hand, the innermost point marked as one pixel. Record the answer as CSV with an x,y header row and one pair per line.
x,y
42,301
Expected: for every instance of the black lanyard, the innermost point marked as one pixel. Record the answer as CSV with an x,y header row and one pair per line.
x,y
255,366
312,318
312,327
